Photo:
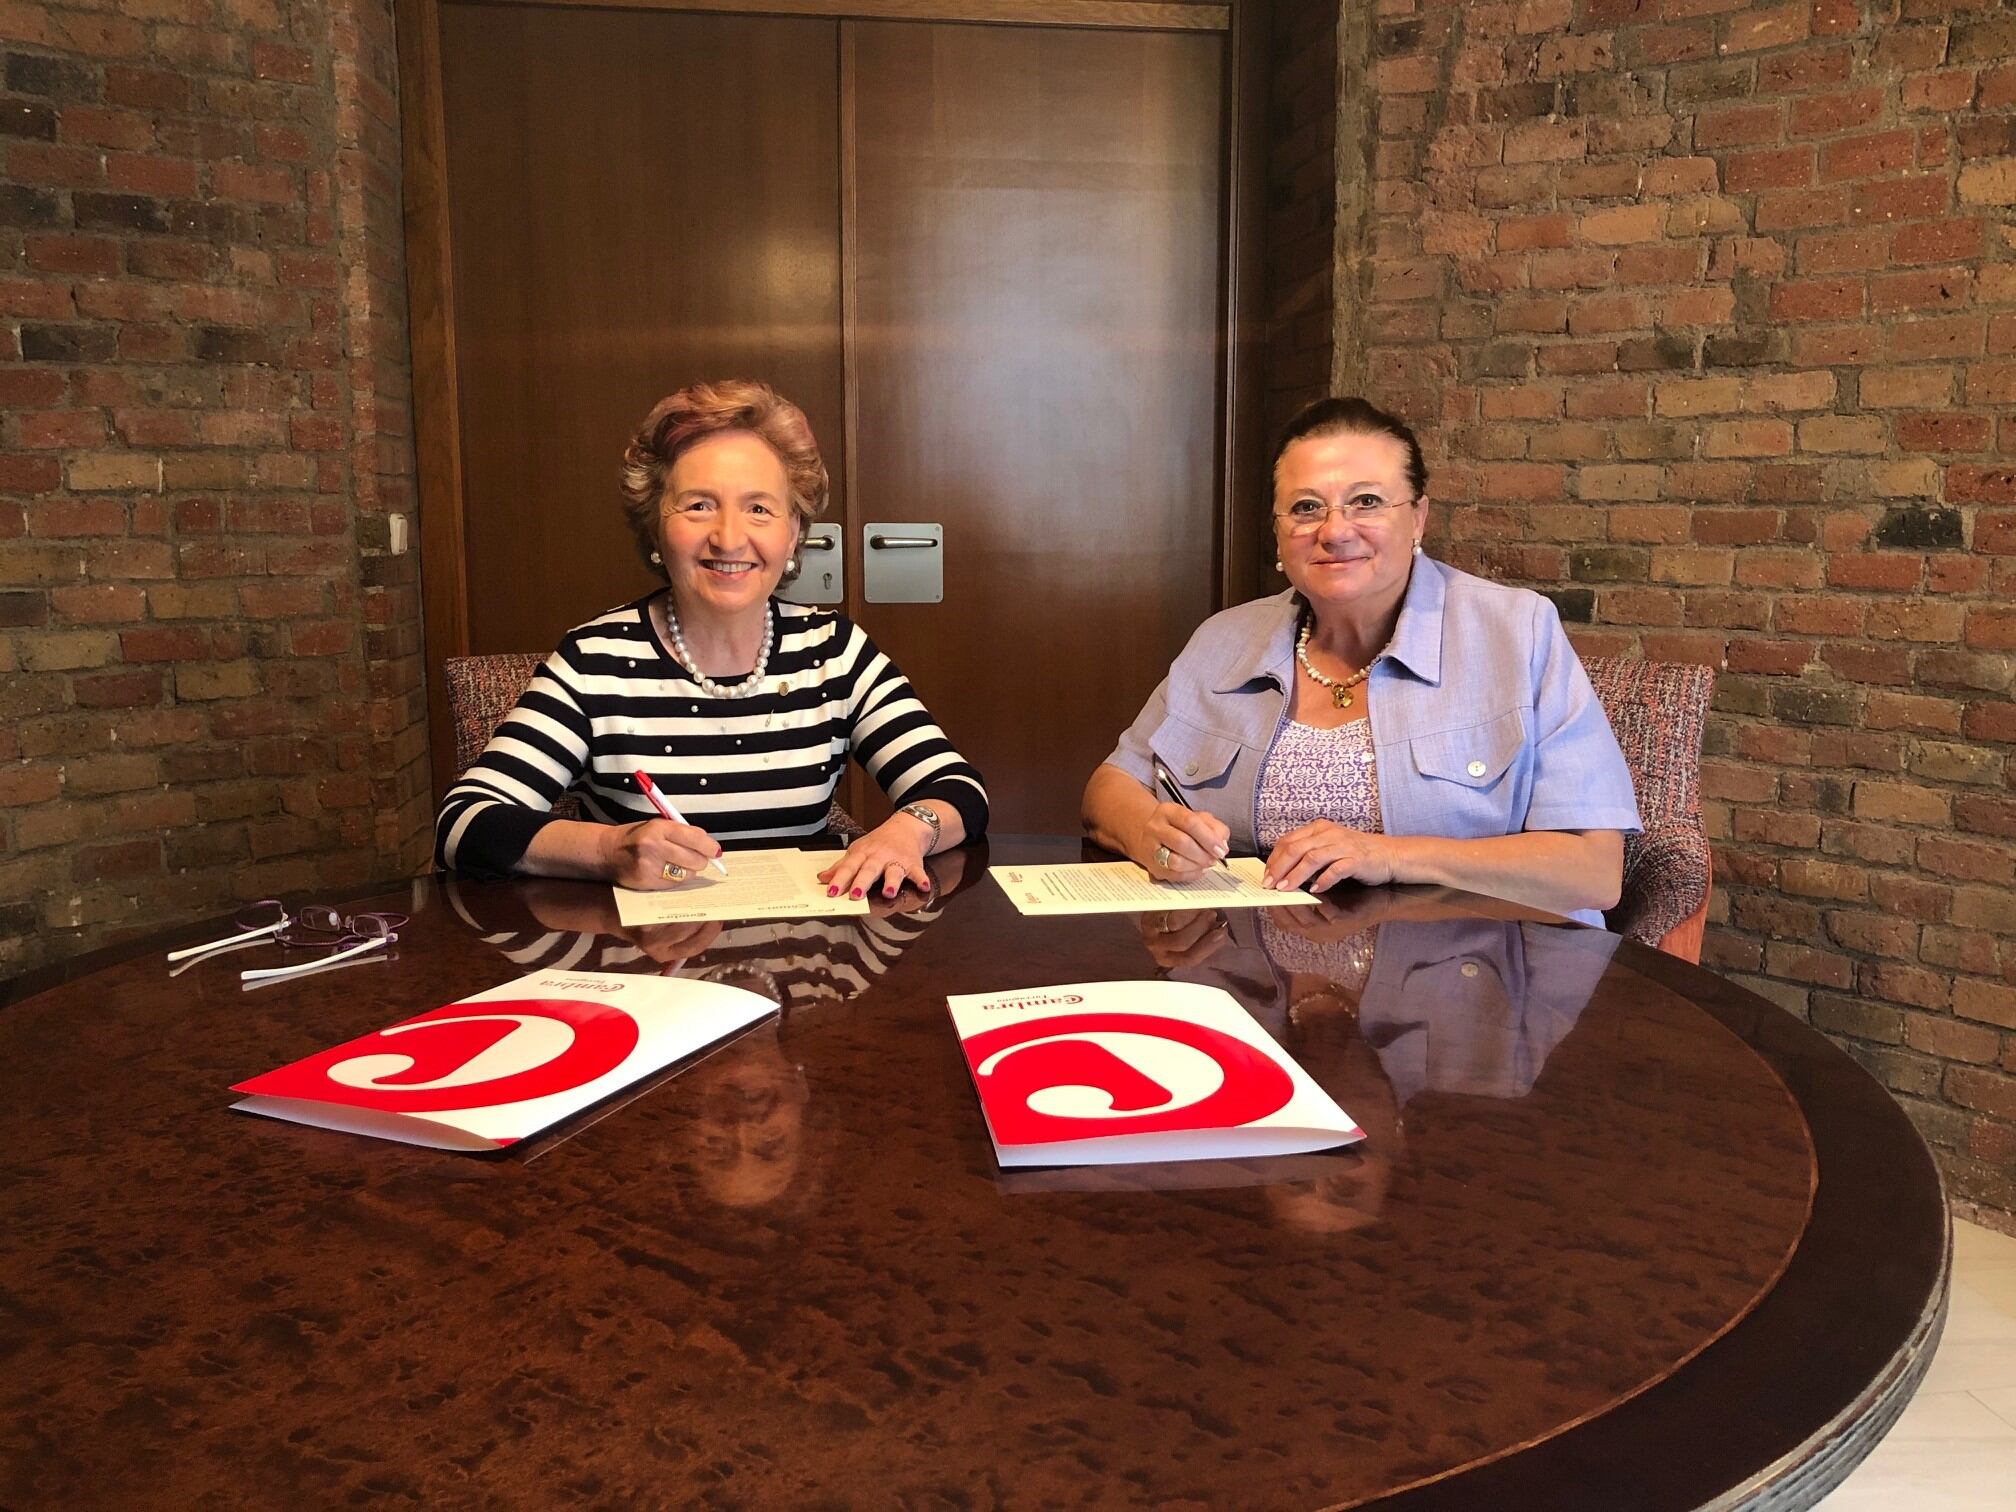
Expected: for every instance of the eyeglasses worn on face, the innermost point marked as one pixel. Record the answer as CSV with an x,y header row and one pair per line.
x,y
1306,516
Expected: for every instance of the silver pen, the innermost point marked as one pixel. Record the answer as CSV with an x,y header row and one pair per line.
x,y
1168,785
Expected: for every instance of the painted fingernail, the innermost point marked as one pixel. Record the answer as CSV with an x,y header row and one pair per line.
x,y
832,892
888,892
855,894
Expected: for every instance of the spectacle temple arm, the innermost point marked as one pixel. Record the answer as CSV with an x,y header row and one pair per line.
x,y
238,939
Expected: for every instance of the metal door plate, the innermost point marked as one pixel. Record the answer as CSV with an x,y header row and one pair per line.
x,y
903,563
822,568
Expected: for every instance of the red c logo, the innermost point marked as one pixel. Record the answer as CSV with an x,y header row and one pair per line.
x,y
1040,1053
466,1055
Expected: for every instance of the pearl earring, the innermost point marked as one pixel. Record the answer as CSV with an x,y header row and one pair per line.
x,y
1277,565
792,565
657,560
1417,548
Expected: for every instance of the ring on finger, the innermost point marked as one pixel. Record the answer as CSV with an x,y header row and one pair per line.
x,y
1162,857
672,873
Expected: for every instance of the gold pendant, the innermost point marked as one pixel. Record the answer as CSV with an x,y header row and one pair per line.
x,y
1340,698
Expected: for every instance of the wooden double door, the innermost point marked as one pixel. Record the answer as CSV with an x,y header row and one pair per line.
x,y
989,261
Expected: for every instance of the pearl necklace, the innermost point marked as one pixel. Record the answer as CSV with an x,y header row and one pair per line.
x,y
750,684
1340,687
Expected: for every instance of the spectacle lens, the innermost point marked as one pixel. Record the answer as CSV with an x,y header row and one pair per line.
x,y
1306,516
264,914
318,924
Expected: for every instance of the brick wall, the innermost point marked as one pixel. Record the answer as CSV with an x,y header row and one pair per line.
x,y
1711,308
209,681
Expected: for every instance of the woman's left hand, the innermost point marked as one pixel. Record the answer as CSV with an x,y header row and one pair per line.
x,y
882,860
1319,855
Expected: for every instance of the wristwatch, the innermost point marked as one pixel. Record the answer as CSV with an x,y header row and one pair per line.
x,y
930,816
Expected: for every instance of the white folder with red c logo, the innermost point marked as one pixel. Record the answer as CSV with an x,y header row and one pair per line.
x,y
1116,1073
498,1067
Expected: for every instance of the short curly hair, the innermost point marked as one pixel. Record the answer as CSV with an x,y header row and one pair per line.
x,y
680,421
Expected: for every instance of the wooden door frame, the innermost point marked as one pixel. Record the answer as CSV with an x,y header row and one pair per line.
x,y
430,281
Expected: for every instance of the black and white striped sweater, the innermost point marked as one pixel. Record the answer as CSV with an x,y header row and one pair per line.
x,y
750,771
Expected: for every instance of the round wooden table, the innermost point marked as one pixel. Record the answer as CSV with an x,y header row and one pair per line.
x,y
1621,1236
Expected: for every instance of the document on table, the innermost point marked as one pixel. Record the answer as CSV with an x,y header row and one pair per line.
x,y
1122,887
761,884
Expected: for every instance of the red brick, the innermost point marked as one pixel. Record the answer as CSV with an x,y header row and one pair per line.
x,y
1844,251
134,688
1775,168
1967,483
1867,156
1796,209
254,182
1805,69
1819,615
1889,666
1942,336
1943,433
1817,299
289,65
1912,198
1829,114
163,643
1934,289
1739,125
59,428
1944,92
1777,26
1892,571
1991,628
1779,658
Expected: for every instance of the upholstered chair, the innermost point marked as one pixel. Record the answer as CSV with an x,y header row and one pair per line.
x,y
1659,711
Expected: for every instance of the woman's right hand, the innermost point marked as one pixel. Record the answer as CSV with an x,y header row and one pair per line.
x,y
637,855
1196,843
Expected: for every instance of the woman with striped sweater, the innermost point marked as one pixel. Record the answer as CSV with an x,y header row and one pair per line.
x,y
742,709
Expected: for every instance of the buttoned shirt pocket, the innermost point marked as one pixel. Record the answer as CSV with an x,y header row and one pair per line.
x,y
1477,777
1198,759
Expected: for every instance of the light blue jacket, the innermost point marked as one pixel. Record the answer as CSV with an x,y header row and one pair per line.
x,y
1483,721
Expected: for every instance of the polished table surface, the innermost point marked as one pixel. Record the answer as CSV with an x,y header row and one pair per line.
x,y
1621,1235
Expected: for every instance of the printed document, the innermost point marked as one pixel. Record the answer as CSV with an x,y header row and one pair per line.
x,y
1122,887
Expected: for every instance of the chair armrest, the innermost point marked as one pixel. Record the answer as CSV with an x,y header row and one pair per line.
x,y
1665,896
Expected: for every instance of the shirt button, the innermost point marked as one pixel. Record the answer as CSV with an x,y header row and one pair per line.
x,y
1190,770
630,664
703,782
1476,769
1469,968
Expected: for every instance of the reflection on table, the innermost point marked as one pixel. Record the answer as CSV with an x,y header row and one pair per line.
x,y
1385,997
751,1148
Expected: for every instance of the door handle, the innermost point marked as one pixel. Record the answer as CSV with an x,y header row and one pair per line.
x,y
905,562
819,543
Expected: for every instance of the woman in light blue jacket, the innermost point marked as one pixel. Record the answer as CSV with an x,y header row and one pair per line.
x,y
1385,719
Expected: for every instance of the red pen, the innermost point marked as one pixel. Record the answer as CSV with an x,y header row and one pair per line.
x,y
650,790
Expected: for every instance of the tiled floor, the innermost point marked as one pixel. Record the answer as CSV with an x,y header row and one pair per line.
x,y
1955,1446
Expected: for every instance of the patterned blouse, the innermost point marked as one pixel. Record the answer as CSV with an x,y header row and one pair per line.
x,y
1318,774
